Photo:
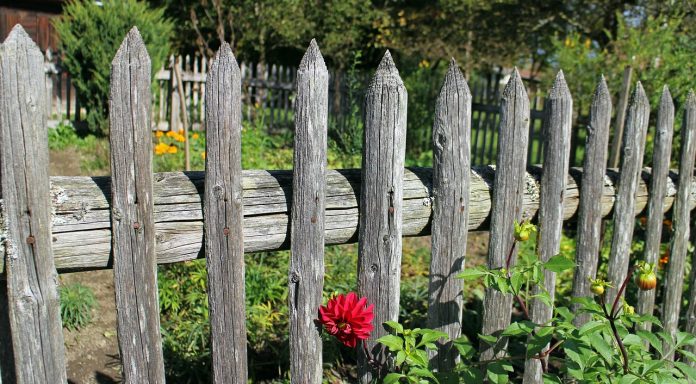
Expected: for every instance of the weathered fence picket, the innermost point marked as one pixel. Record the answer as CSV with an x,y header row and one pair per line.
x,y
32,297
556,133
451,181
662,149
381,204
222,215
624,208
590,213
132,220
306,275
674,278
509,186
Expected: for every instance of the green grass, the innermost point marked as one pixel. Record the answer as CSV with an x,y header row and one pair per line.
x,y
76,304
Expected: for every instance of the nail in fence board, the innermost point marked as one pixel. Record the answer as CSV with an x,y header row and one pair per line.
x,y
381,211
132,221
451,180
506,206
32,296
306,275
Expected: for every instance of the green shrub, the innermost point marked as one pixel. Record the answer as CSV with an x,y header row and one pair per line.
x,y
90,35
76,304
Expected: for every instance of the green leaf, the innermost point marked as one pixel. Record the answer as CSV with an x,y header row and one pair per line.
x,y
473,273
559,263
394,343
429,335
394,326
519,328
544,297
591,326
601,346
629,379
400,357
685,338
688,370
516,281
539,341
652,339
488,339
392,378
423,372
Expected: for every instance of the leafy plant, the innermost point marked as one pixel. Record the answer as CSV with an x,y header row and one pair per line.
x,y
76,304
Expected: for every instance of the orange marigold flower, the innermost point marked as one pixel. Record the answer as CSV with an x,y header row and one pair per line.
x,y
171,133
172,149
181,131
159,134
161,148
195,136
347,318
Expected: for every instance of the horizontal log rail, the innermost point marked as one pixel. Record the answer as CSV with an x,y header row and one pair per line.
x,y
82,224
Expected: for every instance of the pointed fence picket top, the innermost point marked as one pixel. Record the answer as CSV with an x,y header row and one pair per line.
x,y
223,218
556,131
381,212
306,275
590,206
132,222
674,278
624,208
451,182
32,296
510,175
662,149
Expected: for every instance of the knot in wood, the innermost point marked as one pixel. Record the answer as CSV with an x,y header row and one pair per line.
x,y
374,268
116,214
218,192
136,225
294,277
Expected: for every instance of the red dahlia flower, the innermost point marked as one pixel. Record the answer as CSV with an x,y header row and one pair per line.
x,y
346,317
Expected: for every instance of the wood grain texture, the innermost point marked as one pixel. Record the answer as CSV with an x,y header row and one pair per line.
x,y
506,208
32,296
593,185
674,278
381,205
620,119
691,310
631,163
451,181
662,149
132,220
222,217
556,143
306,275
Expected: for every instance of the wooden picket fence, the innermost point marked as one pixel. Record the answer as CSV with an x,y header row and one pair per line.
x,y
134,219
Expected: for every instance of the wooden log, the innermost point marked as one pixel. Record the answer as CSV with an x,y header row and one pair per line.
x,y
451,180
506,208
381,227
222,214
590,211
631,162
306,275
31,295
662,149
556,146
674,278
132,219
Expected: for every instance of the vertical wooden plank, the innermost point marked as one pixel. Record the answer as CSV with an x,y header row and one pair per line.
x,y
132,222
201,106
674,278
591,191
380,226
620,118
306,276
662,149
506,206
691,310
558,122
222,215
451,180
624,208
32,295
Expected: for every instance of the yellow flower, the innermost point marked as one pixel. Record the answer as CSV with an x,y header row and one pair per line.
x,y
171,133
161,148
203,155
588,43
159,134
195,136
181,132
424,64
171,149
180,138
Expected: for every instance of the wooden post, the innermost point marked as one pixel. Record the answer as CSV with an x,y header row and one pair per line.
x,y
590,206
506,206
132,223
451,180
674,278
176,72
32,295
658,189
381,212
620,118
306,275
558,122
624,208
691,310
222,215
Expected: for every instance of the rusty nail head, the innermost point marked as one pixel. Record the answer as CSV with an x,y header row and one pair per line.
x,y
136,225
30,239
226,231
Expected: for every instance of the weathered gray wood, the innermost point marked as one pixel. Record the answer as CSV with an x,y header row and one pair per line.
x,y
662,149
222,215
81,219
691,310
306,275
674,278
631,163
450,226
381,206
620,118
32,296
506,208
132,220
557,127
590,210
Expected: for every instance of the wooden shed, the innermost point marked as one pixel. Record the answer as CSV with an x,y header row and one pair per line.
x,y
35,16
